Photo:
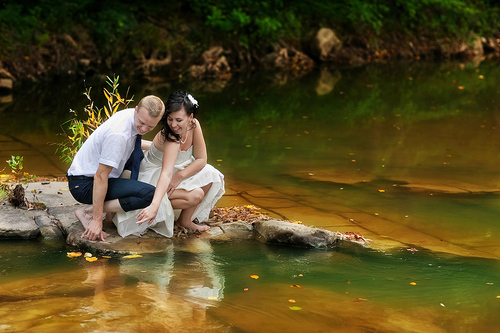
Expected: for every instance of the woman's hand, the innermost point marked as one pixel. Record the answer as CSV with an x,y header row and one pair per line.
x,y
148,214
176,180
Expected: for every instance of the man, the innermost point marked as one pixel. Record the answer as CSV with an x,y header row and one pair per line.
x,y
94,175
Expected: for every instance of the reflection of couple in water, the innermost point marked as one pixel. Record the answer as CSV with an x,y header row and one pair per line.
x,y
165,293
173,182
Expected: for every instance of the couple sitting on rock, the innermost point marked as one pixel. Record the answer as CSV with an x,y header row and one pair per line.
x,y
171,183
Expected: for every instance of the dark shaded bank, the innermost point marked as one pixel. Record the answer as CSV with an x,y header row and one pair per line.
x,y
208,38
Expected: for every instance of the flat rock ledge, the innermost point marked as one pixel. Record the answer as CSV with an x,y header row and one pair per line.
x,y
58,224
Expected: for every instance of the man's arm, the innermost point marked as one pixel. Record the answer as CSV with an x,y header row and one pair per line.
x,y
94,230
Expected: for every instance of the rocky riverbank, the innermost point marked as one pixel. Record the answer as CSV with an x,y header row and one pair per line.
x,y
65,54
57,223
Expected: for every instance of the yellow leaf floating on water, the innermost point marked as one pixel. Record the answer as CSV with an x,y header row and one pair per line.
x,y
291,300
295,286
91,259
253,276
295,308
381,191
73,254
132,256
413,283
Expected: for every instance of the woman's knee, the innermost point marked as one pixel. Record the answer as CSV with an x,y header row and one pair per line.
x,y
196,196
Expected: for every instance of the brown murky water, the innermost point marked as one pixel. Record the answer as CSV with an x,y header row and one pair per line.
x,y
407,155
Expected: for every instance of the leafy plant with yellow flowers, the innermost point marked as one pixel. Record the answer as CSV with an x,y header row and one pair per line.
x,y
80,130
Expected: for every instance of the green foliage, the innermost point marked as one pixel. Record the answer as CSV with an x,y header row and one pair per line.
x,y
80,130
251,22
16,163
17,174
127,26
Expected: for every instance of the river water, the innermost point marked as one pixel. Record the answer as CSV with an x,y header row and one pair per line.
x,y
406,154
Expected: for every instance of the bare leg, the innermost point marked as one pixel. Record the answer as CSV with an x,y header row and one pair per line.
x,y
188,201
109,217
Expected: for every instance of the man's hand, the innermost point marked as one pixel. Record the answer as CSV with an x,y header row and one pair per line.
x,y
94,231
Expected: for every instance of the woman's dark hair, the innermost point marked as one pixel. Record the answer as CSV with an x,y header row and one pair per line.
x,y
176,101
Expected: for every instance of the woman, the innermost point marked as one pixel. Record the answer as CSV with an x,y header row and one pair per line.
x,y
187,187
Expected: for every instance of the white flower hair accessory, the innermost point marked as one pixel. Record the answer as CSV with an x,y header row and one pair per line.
x,y
192,100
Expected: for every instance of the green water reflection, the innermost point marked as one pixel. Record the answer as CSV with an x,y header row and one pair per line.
x,y
208,288
406,154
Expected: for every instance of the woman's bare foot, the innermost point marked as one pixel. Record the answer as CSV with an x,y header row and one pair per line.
x,y
192,226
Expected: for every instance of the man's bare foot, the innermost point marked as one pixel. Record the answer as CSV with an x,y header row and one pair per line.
x,y
84,215
192,226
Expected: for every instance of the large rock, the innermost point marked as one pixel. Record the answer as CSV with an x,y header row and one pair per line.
x,y
325,43
288,59
214,64
292,234
15,224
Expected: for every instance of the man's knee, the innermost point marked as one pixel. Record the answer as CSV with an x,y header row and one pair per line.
x,y
147,193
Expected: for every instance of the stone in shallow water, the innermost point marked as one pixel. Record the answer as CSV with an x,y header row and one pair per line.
x,y
294,234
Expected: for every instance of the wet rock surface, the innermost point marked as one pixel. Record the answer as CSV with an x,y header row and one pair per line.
x,y
58,223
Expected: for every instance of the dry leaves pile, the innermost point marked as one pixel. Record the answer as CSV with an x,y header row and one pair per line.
x,y
248,213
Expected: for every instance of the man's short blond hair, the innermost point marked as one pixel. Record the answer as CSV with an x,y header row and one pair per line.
x,y
153,104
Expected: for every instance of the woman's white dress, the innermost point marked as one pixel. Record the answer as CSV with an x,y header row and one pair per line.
x,y
126,222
